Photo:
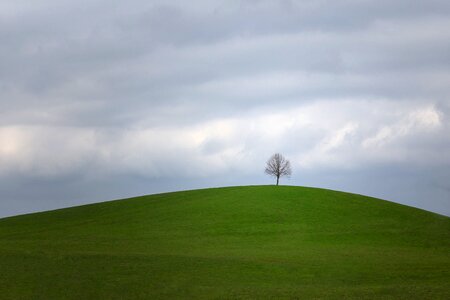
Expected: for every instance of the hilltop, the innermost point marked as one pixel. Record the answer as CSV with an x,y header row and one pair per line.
x,y
240,242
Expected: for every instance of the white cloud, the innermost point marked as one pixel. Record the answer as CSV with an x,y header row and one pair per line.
x,y
348,134
415,122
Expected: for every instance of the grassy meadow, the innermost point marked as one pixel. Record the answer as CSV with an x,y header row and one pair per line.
x,y
253,242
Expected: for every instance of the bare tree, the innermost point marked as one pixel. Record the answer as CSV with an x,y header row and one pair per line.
x,y
277,166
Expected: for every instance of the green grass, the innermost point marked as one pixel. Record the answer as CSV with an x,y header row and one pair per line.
x,y
255,242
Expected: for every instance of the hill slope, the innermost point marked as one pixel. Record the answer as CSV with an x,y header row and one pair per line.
x,y
240,242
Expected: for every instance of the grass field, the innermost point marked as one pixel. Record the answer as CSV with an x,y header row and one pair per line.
x,y
255,242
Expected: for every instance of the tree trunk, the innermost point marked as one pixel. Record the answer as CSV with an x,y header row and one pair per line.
x,y
278,178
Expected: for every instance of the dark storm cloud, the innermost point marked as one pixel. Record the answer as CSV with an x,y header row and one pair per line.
x,y
148,91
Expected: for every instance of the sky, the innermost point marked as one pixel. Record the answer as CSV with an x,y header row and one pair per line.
x,y
102,100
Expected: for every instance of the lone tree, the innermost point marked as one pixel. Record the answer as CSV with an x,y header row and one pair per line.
x,y
277,166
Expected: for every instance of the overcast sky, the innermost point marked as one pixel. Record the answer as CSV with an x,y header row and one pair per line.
x,y
107,99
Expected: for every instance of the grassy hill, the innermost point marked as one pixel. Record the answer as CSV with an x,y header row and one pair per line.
x,y
228,243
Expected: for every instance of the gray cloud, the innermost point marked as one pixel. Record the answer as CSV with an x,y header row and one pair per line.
x,y
97,95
